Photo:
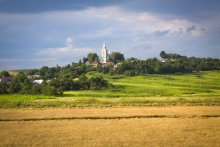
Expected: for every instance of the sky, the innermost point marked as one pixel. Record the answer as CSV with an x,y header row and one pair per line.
x,y
50,32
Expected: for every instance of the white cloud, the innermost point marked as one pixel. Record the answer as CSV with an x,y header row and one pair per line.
x,y
68,50
137,21
144,22
123,30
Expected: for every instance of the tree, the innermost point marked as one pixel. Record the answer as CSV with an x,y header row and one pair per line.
x,y
80,62
33,72
14,87
116,57
84,60
21,78
46,73
18,83
3,88
98,82
92,57
163,54
50,90
4,74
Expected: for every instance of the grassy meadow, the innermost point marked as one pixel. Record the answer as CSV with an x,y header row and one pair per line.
x,y
199,88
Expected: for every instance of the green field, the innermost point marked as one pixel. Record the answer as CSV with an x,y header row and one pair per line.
x,y
202,88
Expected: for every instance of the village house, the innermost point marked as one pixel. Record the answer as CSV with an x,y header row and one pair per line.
x,y
33,76
6,79
108,63
38,81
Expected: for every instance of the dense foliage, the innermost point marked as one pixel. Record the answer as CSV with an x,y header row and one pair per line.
x,y
92,57
4,74
169,63
21,84
73,77
116,57
51,86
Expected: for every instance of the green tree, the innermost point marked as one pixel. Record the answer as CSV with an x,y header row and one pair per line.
x,y
20,77
4,74
84,60
33,72
98,82
116,57
3,88
163,54
47,73
92,57
14,87
50,90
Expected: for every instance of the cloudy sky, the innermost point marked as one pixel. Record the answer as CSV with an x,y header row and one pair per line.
x,y
34,33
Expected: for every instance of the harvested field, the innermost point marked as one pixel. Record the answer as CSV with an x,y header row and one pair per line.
x,y
191,126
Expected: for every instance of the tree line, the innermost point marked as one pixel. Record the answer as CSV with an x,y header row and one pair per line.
x,y
73,76
51,86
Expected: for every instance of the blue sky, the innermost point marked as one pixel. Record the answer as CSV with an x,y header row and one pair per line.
x,y
50,32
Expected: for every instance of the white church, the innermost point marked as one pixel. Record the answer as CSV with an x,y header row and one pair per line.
x,y
105,54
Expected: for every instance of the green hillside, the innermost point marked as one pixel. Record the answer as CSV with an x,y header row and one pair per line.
x,y
14,72
201,88
195,84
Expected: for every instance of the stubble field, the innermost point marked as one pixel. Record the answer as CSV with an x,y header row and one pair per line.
x,y
147,110
113,126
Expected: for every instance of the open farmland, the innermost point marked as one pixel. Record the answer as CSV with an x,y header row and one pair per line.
x,y
201,88
151,85
187,113
114,126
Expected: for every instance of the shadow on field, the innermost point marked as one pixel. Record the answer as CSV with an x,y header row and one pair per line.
x,y
113,117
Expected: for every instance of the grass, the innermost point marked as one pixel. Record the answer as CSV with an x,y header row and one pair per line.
x,y
201,88
203,83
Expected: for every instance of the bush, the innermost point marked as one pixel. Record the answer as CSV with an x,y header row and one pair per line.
x,y
37,89
4,74
98,83
41,89
50,90
129,73
26,90
3,88
14,87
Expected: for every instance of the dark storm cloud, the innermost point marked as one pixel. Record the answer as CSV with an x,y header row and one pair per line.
x,y
33,6
193,9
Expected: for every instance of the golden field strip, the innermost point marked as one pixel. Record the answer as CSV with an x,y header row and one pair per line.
x,y
111,126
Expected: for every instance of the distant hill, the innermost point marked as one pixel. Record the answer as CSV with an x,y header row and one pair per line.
x,y
14,72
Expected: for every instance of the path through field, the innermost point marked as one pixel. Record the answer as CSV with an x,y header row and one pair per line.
x,y
113,126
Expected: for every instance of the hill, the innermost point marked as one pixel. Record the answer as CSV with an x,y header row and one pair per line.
x,y
15,72
200,88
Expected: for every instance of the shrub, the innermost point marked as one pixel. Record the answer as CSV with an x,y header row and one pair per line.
x,y
98,83
3,88
129,73
50,90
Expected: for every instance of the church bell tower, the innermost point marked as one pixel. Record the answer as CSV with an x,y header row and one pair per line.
x,y
104,53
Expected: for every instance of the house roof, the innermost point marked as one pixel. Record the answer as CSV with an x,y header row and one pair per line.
x,y
38,81
6,79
